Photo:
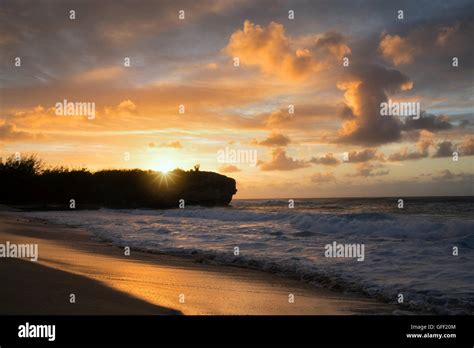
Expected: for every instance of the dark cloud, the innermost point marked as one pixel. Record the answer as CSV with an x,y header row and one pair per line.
x,y
447,175
364,155
464,148
306,116
327,160
428,43
9,132
369,170
346,113
428,122
434,43
43,35
404,155
444,149
425,141
323,177
365,90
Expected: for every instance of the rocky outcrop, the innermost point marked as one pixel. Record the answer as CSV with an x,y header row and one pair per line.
x,y
56,188
207,188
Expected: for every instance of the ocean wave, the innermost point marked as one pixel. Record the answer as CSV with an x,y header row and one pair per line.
x,y
377,224
424,301
401,251
224,214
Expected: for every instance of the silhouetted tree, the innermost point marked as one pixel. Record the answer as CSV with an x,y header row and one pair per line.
x,y
26,181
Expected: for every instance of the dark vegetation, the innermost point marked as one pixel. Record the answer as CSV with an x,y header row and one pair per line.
x,y
28,183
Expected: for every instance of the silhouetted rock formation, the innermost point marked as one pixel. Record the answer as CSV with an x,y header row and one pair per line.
x,y
24,182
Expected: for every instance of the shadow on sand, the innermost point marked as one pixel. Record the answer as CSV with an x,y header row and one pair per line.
x,y
29,288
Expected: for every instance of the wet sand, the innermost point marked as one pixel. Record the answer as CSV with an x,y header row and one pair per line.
x,y
106,281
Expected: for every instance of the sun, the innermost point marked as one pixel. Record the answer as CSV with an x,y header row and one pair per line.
x,y
165,166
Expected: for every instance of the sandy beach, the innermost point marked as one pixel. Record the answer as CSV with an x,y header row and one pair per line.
x,y
105,281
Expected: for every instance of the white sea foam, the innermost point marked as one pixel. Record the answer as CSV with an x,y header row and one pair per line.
x,y
403,254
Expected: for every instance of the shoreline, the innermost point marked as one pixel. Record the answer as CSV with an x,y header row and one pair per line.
x,y
108,282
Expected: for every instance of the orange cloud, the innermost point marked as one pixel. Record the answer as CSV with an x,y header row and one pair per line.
x,y
173,145
368,170
228,169
10,133
274,140
467,146
306,117
270,49
98,74
327,160
280,161
323,177
396,49
446,33
364,156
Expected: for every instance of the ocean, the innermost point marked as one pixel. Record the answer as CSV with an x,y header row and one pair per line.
x,y
407,251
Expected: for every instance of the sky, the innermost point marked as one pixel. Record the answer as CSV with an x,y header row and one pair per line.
x,y
298,84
